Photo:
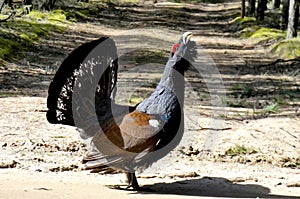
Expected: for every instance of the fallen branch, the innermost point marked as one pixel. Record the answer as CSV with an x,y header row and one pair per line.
x,y
257,67
280,61
1,4
10,16
214,129
288,132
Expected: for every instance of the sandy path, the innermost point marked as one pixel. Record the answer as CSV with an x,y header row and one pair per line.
x,y
40,154
27,184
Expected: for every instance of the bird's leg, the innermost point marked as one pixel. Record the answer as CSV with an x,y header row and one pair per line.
x,y
132,181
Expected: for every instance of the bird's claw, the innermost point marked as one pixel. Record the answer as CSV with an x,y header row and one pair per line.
x,y
130,188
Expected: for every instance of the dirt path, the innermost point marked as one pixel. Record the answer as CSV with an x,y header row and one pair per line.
x,y
40,152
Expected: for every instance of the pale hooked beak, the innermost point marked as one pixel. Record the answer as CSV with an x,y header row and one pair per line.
x,y
186,37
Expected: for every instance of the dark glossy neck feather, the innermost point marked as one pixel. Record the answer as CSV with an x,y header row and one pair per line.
x,y
173,76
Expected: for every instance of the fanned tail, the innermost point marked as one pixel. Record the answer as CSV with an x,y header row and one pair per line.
x,y
92,63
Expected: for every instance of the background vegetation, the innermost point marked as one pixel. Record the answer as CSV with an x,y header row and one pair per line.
x,y
24,21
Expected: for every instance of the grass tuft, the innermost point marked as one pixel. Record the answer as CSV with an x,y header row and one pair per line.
x,y
240,150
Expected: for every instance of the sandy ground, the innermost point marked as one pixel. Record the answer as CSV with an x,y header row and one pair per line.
x,y
45,161
40,160
27,184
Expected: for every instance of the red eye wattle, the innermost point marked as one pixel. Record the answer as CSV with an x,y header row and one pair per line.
x,y
174,48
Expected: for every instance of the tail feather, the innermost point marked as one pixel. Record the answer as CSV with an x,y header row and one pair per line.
x,y
97,56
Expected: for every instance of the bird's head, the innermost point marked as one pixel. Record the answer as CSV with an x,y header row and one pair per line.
x,y
184,51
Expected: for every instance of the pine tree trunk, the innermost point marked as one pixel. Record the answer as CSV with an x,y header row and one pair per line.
x,y
46,5
1,4
285,14
243,9
292,21
276,4
261,7
8,2
296,23
50,4
251,7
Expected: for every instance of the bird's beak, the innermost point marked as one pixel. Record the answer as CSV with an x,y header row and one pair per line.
x,y
186,37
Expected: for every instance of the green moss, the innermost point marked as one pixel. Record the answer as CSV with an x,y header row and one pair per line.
x,y
84,12
25,36
77,15
10,49
245,25
243,20
261,34
287,49
135,100
19,35
240,150
2,16
268,32
36,15
55,17
247,20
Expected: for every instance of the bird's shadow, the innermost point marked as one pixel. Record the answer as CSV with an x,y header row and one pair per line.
x,y
212,187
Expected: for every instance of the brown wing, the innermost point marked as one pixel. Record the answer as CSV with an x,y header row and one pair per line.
x,y
136,136
140,131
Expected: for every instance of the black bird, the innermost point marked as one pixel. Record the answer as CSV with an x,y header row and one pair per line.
x,y
120,137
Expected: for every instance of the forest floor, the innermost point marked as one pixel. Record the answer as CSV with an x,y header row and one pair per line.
x,y
248,149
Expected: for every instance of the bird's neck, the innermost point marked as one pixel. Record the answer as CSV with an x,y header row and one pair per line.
x,y
173,80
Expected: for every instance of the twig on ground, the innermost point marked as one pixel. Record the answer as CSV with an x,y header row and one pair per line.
x,y
208,128
10,16
288,132
280,61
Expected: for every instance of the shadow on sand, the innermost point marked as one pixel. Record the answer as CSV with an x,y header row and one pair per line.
x,y
212,187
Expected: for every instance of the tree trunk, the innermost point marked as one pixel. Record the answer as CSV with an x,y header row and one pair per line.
x,y
292,21
285,14
51,4
261,7
251,7
296,23
1,4
27,2
276,4
243,9
47,5
8,2
27,6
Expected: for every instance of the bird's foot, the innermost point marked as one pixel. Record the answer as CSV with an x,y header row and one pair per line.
x,y
138,188
133,184
130,188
